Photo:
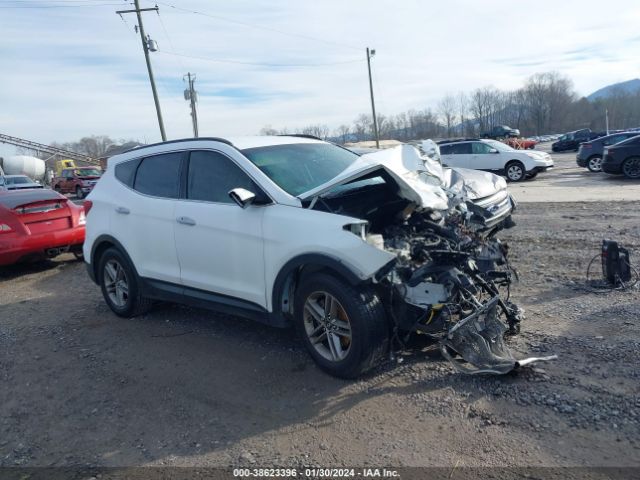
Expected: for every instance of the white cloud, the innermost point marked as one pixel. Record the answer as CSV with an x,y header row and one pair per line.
x,y
70,72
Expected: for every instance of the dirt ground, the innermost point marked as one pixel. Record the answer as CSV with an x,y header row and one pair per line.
x,y
188,387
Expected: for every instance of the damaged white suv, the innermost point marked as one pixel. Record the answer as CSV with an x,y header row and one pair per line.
x,y
357,252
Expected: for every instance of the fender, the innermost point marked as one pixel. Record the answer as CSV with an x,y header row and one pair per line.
x,y
316,259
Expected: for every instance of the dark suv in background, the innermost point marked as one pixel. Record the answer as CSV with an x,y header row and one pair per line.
x,y
572,140
590,154
623,157
501,131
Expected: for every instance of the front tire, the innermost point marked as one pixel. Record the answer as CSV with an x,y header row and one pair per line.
x,y
343,328
631,168
594,164
120,285
515,171
79,193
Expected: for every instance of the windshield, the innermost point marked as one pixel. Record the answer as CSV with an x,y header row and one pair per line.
x,y
18,180
300,167
88,172
501,147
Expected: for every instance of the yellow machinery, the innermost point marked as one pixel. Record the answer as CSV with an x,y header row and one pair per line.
x,y
62,164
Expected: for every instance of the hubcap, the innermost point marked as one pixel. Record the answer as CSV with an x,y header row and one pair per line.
x,y
514,172
327,326
631,168
116,283
595,164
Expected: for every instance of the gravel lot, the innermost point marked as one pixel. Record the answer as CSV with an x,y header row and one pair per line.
x,y
569,183
187,387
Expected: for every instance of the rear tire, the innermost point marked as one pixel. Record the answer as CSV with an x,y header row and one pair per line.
x,y
57,188
594,164
631,168
515,171
344,328
120,285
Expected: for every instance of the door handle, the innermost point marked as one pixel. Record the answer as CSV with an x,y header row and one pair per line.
x,y
123,210
186,221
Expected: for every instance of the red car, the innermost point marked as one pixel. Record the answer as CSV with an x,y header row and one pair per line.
x,y
38,223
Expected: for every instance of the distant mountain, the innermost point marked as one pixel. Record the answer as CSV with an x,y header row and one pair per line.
x,y
629,86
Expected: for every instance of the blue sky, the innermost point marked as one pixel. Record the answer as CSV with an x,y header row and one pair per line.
x,y
77,69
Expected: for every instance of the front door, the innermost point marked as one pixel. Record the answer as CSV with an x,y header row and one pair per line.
x,y
485,157
220,245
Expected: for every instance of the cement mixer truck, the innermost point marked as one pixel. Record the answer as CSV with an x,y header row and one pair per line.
x,y
23,165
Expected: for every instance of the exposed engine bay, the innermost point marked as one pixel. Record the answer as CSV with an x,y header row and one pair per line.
x,y
451,277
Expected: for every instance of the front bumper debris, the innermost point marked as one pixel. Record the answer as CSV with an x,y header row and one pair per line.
x,y
479,342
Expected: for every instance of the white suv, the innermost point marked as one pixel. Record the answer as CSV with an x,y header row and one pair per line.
x,y
283,230
495,156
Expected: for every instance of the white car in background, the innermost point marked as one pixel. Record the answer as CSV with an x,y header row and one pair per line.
x,y
494,156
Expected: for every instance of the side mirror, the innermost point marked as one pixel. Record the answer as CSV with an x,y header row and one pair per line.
x,y
242,197
494,150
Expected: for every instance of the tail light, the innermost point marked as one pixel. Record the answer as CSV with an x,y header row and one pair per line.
x,y
87,206
82,218
4,228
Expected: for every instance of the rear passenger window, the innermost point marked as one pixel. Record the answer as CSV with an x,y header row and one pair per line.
x,y
126,171
445,149
159,175
212,175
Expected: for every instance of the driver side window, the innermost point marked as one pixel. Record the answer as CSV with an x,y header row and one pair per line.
x,y
480,148
212,175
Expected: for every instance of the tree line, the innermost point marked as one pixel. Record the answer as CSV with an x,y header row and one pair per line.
x,y
545,104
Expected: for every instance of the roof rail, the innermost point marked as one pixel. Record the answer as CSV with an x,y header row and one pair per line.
x,y
180,140
301,135
454,140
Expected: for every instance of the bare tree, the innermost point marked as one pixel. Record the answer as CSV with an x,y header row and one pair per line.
x,y
320,131
447,108
268,130
342,132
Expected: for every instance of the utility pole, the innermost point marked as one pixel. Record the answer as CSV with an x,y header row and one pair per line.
x,y
606,119
145,48
371,53
191,95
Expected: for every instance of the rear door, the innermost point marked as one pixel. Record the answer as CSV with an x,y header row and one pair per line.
x,y
456,154
220,245
143,215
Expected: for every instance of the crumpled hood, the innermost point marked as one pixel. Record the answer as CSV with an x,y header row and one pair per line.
x,y
473,183
419,181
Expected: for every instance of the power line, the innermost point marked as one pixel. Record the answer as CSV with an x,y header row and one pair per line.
x,y
259,64
61,6
261,27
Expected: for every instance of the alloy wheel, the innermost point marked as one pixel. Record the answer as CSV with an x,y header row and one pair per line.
x,y
116,283
515,173
327,326
631,167
595,164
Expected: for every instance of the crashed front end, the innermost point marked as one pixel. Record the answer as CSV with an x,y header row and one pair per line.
x,y
450,278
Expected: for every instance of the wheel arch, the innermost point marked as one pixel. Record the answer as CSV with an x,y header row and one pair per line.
x,y
290,273
100,245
